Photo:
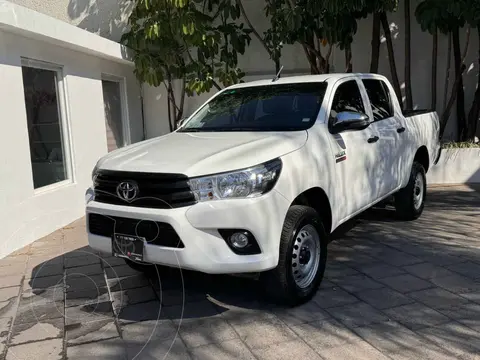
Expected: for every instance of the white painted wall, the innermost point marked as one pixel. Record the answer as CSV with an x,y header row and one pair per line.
x,y
27,214
107,18
456,166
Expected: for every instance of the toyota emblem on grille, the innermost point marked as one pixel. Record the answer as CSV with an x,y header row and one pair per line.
x,y
127,190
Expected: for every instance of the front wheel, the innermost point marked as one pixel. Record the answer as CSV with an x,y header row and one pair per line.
x,y
410,200
302,258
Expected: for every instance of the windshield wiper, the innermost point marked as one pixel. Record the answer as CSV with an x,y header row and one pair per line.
x,y
191,130
256,129
220,129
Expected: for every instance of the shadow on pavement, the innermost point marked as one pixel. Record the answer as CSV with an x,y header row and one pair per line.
x,y
410,288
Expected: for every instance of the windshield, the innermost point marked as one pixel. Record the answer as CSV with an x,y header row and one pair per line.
x,y
285,107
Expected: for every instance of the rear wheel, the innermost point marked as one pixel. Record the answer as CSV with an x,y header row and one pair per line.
x,y
410,201
302,258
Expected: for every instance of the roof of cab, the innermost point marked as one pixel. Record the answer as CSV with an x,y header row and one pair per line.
x,y
295,80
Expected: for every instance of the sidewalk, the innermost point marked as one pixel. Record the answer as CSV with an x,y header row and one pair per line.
x,y
392,290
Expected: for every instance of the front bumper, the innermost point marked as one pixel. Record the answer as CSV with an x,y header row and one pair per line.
x,y
197,226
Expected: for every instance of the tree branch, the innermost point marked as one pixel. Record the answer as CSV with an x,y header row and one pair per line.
x,y
187,50
434,69
319,43
312,64
453,97
329,53
447,77
249,23
216,85
314,51
467,42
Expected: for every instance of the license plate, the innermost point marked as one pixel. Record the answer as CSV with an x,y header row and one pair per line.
x,y
128,247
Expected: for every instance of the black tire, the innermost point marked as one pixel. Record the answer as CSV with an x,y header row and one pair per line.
x,y
406,206
279,282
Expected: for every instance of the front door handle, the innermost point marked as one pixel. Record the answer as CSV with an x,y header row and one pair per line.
x,y
400,130
373,139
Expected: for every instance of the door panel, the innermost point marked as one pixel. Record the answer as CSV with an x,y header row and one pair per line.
x,y
354,155
386,126
388,157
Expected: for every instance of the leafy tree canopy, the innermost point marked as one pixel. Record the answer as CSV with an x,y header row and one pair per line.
x,y
195,40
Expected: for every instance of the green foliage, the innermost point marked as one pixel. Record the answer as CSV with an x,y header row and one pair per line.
x,y
447,14
460,145
468,10
195,40
310,22
437,14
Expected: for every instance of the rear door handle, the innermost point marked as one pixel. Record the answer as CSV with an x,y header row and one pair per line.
x,y
400,130
373,139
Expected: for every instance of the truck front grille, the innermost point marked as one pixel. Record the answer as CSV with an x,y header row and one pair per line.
x,y
155,233
159,191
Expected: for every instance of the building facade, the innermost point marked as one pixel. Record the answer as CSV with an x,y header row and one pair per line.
x,y
67,97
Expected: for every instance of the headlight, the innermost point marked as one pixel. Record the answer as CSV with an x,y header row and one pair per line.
x,y
248,183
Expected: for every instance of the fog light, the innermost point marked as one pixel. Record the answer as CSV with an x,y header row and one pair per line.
x,y
239,240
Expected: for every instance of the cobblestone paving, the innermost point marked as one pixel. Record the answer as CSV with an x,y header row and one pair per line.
x,y
392,290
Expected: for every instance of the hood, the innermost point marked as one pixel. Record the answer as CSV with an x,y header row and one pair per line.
x,y
196,154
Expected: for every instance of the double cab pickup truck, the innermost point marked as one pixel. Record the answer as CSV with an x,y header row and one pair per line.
x,y
256,179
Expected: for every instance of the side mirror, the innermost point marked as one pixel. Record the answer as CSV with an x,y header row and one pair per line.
x,y
350,120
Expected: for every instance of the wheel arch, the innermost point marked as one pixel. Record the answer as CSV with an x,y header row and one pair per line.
x,y
317,198
423,157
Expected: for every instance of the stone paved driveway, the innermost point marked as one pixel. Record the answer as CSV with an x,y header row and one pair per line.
x,y
393,290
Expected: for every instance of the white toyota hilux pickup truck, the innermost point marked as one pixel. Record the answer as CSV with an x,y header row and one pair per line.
x,y
258,177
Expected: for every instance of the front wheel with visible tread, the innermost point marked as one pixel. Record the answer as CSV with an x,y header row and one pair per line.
x,y
302,258
410,200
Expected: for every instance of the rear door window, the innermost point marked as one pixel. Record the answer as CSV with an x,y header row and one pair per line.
x,y
379,97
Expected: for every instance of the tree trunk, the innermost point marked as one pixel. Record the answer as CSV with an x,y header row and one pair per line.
x,y
434,69
375,44
448,107
391,56
257,35
348,58
474,112
182,103
169,107
460,97
458,81
447,72
408,60
311,57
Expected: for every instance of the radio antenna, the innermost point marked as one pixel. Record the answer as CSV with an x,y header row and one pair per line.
x,y
278,74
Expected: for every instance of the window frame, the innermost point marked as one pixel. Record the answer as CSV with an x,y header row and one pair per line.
x,y
64,122
122,81
334,92
184,127
387,92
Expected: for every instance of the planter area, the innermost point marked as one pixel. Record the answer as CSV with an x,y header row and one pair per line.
x,y
456,166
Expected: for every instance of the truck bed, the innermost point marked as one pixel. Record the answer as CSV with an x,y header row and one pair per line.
x,y
410,113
